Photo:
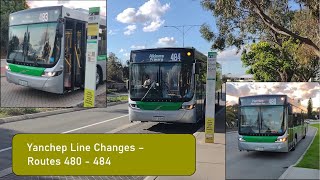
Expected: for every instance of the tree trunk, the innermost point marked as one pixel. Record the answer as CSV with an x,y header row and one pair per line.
x,y
282,30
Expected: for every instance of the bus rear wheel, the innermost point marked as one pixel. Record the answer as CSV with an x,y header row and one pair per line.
x,y
305,133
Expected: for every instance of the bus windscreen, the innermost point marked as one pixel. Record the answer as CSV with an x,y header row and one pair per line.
x,y
262,120
34,44
161,82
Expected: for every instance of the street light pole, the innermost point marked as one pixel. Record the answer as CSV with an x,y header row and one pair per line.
x,y
183,30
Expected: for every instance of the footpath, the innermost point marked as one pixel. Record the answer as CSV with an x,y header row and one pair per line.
x,y
3,67
210,160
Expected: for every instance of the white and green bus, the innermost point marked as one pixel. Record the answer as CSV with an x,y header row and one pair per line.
x,y
270,123
47,49
167,85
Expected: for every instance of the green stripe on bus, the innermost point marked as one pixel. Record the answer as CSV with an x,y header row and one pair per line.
x,y
28,70
265,139
102,58
164,106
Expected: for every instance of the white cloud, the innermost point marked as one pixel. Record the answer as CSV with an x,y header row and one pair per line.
x,y
229,54
71,4
130,29
149,15
122,50
126,55
153,26
138,47
296,90
127,16
167,41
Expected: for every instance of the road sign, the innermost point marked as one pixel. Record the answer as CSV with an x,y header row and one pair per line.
x,y
91,57
210,97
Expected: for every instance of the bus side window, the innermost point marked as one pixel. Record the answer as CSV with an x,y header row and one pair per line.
x,y
290,110
295,119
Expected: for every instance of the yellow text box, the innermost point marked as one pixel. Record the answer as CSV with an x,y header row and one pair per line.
x,y
103,154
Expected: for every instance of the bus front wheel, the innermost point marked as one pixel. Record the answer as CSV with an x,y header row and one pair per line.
x,y
294,144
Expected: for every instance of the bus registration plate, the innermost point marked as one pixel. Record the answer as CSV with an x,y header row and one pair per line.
x,y
158,118
23,83
259,148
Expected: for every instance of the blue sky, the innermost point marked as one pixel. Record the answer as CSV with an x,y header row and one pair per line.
x,y
143,27
127,27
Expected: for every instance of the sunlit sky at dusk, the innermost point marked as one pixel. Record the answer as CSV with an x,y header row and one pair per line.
x,y
296,90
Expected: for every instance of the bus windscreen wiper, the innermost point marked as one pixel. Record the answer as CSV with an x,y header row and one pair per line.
x,y
151,86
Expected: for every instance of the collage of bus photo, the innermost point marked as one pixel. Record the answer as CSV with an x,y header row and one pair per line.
x,y
159,89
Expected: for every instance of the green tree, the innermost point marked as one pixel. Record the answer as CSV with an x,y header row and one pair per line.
x,y
231,116
271,62
268,20
126,70
7,7
114,68
309,108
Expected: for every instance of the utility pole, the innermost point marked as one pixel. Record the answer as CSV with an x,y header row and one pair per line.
x,y
182,28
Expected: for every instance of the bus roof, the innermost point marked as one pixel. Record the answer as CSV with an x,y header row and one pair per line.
x,y
163,48
65,12
143,52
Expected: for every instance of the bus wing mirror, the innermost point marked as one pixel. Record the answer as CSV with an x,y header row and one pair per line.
x,y
197,68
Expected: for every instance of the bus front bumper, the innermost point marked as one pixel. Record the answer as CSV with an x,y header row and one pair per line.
x,y
178,116
48,84
258,146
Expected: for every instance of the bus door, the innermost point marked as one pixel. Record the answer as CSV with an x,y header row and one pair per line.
x,y
75,43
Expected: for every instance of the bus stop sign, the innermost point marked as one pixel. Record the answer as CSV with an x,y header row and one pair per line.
x,y
91,57
210,97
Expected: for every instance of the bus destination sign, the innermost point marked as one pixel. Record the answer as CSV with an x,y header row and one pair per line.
x,y
35,16
263,100
161,56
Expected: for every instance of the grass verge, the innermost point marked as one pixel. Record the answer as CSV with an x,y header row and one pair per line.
x,y
311,158
8,112
117,98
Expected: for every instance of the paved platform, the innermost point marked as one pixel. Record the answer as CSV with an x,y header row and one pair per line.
x,y
210,160
301,173
18,96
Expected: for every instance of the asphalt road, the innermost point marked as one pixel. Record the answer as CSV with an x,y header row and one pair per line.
x,y
260,165
113,119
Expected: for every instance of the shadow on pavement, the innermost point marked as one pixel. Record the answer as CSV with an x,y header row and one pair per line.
x,y
168,128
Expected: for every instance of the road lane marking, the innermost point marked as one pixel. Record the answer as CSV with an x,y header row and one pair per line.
x,y
5,149
122,128
108,120
5,172
83,127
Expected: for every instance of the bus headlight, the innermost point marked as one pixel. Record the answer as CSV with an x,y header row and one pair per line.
x,y
51,74
281,139
241,139
8,68
133,106
188,107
